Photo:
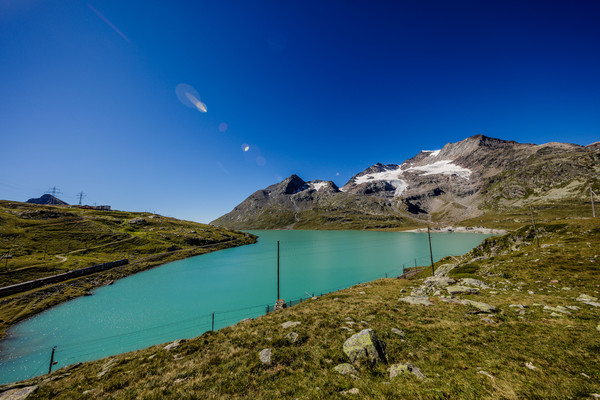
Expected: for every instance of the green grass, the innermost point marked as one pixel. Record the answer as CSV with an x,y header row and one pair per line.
x,y
450,345
48,240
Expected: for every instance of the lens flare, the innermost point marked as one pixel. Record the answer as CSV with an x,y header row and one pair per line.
x,y
245,147
223,126
196,102
189,97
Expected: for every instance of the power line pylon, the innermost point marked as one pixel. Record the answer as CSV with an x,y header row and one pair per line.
x,y
53,191
81,196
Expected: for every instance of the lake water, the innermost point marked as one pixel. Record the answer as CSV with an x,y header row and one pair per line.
x,y
177,300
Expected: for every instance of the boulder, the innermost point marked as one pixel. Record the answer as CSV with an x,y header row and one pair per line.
x,y
290,324
458,289
265,356
292,337
585,297
558,309
439,281
474,282
365,346
442,270
345,369
398,369
174,344
416,300
481,307
279,305
18,394
398,332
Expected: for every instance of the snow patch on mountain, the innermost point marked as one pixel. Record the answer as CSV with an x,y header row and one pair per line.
x,y
387,175
443,167
433,152
316,185
390,175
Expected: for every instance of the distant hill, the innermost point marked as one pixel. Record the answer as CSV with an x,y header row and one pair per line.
x,y
462,180
48,199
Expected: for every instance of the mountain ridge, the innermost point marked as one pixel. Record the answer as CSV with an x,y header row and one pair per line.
x,y
459,181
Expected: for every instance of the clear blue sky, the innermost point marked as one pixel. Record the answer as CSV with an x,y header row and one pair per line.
x,y
323,89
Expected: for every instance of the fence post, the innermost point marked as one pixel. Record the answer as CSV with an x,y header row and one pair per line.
x,y
51,359
212,329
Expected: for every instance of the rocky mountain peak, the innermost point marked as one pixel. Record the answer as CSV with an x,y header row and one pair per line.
x,y
47,199
293,184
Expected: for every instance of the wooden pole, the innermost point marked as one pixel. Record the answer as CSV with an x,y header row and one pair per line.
x,y
278,270
534,228
51,359
213,322
593,206
430,251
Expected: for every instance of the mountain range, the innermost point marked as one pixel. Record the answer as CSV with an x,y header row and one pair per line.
x,y
460,181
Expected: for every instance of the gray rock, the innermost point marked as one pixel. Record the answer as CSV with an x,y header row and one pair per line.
x,y
290,324
478,305
174,344
18,394
457,289
519,306
398,332
481,307
292,337
592,303
442,270
474,282
556,315
559,309
365,346
138,221
351,391
439,281
265,356
345,369
280,304
416,300
585,297
398,369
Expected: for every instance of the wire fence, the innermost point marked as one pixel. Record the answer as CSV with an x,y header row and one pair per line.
x,y
70,353
40,361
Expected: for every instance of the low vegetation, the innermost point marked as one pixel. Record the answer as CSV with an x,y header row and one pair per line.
x,y
38,241
541,341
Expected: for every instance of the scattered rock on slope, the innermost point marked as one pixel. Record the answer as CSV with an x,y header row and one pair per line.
x,y
365,346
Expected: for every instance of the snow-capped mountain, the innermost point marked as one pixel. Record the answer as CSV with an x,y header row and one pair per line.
x,y
459,181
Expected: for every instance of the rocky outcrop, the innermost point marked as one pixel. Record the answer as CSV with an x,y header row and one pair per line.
x,y
365,346
47,199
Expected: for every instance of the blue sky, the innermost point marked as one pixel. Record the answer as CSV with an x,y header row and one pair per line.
x,y
323,89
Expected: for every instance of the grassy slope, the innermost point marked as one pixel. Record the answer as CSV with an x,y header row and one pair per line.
x,y
450,345
49,240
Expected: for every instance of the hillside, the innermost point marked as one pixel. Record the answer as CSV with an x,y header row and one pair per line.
x,y
40,240
460,181
508,318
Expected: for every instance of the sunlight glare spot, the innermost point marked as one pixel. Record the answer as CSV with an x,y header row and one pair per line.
x,y
197,103
245,147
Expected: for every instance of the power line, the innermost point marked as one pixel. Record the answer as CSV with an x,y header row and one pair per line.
x,y
53,191
81,196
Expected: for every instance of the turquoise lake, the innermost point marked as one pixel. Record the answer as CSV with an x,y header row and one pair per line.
x,y
177,299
